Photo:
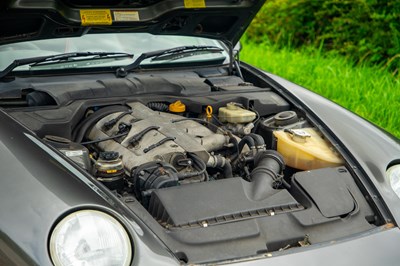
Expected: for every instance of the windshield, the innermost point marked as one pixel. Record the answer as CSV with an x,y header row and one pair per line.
x,y
132,43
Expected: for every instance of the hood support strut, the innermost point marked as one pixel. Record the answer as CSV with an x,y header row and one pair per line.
x,y
234,60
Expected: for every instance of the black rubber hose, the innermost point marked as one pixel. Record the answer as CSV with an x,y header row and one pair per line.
x,y
109,124
235,143
269,164
104,139
221,162
139,136
246,140
82,128
205,175
200,167
200,171
215,119
256,122
157,144
258,139
228,170
285,184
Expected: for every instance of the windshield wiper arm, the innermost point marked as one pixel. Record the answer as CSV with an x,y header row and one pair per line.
x,y
56,58
168,54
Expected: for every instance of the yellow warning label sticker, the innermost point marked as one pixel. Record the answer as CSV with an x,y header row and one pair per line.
x,y
195,3
126,16
93,17
111,171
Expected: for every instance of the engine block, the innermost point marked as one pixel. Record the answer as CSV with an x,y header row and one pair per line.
x,y
155,136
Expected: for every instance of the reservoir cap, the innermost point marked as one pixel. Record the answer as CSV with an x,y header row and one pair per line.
x,y
177,107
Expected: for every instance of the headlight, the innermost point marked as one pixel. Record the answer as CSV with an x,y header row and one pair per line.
x,y
90,237
393,173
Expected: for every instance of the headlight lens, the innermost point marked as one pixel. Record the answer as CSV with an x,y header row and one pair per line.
x,y
90,237
393,173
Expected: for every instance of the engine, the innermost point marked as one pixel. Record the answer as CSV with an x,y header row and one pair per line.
x,y
177,163
157,149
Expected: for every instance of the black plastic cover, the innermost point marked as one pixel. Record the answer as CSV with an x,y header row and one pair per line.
x,y
213,201
327,190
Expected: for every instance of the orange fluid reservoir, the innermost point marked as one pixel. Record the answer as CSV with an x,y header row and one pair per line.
x,y
305,149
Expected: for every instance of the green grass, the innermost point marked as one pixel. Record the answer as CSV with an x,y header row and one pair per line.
x,y
370,92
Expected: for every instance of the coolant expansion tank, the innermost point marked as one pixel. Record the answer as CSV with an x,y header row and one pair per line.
x,y
305,149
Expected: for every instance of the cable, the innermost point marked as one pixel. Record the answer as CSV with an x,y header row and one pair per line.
x,y
201,169
256,122
109,124
155,145
235,143
217,120
104,139
81,129
140,135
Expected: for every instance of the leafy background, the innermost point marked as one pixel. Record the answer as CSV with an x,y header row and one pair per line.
x,y
348,51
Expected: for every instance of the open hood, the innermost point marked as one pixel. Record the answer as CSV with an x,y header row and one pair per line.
x,y
224,20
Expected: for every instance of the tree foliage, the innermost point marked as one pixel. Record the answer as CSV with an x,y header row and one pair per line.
x,y
363,30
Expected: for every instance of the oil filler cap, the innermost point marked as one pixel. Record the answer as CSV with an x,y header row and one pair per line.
x,y
109,155
177,107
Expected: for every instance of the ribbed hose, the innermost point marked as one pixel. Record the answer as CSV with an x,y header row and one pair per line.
x,y
158,106
269,164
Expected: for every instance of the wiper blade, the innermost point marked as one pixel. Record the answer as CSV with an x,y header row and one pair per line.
x,y
169,54
82,55
175,55
50,59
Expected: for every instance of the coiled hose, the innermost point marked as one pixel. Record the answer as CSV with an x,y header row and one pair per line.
x,y
158,106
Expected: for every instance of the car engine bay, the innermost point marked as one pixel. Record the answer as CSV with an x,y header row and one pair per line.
x,y
212,163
